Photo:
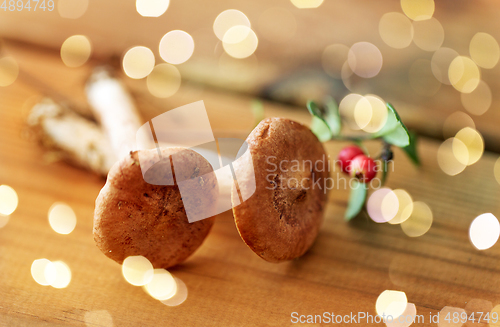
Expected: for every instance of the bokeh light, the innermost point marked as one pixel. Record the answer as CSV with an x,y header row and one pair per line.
x,y
474,143
163,286
8,200
447,161
440,63
347,110
370,113
304,4
9,70
478,101
496,170
428,34
4,220
151,8
180,296
362,113
484,231
390,206
455,122
63,275
72,8
138,62
473,307
391,303
240,42
450,312
406,319
365,59
137,270
421,78
495,310
164,80
334,57
420,220
98,318
56,274
404,205
43,272
418,9
460,151
62,218
176,47
396,30
227,19
374,206
345,75
277,24
484,50
75,50
464,74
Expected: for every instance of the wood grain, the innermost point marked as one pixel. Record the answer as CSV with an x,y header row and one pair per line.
x,y
347,268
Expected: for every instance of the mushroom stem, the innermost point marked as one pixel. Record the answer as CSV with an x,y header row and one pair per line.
x,y
115,110
79,140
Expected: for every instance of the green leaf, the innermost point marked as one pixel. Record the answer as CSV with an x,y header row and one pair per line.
x,y
411,149
320,129
332,116
399,137
356,200
390,124
257,111
329,115
314,109
394,131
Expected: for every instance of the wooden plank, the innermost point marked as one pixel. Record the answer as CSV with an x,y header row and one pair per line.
x,y
347,268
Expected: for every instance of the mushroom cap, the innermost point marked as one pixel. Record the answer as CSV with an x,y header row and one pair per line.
x,y
133,217
281,220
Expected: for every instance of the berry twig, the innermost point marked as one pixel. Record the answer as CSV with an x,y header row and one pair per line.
x,y
355,160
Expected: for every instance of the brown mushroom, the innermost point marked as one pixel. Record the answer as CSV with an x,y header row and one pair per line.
x,y
134,217
281,220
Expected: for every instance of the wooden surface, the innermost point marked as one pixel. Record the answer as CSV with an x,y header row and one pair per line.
x,y
347,268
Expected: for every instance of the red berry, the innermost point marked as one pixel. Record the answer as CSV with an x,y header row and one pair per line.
x,y
364,168
346,155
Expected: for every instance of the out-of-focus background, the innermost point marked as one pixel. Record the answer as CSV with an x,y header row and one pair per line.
x,y
398,50
435,61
